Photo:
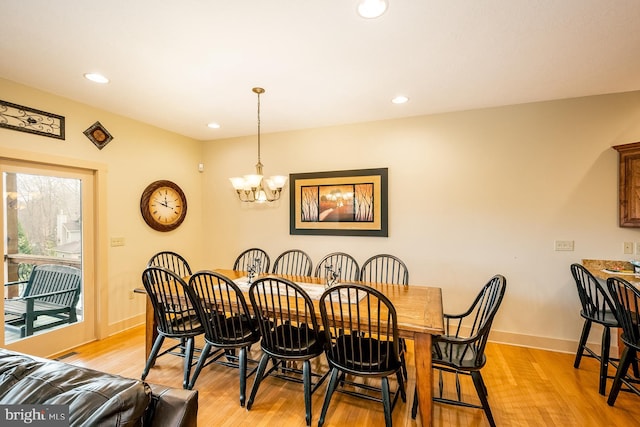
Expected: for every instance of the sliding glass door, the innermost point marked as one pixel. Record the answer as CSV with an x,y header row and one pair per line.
x,y
47,221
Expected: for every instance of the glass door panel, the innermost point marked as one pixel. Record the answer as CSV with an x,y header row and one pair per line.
x,y
45,214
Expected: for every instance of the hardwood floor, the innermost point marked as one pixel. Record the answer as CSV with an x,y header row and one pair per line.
x,y
527,387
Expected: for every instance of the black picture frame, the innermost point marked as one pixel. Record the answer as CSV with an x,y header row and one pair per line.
x,y
339,203
27,119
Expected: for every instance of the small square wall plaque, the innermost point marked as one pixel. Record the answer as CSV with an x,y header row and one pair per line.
x,y
98,135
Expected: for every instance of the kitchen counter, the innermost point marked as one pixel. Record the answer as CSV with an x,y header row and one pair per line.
x,y
622,269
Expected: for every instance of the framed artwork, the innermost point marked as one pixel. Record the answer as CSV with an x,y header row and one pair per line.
x,y
98,134
26,119
339,203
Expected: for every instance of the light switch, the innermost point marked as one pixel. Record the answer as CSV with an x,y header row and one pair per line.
x,y
564,245
117,241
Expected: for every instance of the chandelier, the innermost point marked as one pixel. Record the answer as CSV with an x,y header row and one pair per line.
x,y
255,188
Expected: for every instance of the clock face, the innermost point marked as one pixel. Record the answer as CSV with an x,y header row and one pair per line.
x,y
163,205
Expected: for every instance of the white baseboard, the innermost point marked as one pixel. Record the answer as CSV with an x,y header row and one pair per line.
x,y
546,343
125,324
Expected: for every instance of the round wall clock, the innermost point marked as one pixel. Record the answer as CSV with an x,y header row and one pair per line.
x,y
163,205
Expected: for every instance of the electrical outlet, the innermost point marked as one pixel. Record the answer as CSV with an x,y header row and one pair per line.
x,y
628,247
637,248
563,245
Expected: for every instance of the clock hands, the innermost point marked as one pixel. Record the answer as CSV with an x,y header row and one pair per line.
x,y
170,205
165,203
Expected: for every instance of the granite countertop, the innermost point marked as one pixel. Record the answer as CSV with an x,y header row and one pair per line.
x,y
613,268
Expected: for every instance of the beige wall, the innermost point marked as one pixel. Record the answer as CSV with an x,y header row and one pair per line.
x,y
471,194
138,155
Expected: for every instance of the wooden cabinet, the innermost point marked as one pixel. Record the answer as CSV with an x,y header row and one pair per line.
x,y
629,184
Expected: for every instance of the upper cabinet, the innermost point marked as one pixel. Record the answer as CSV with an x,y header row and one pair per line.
x,y
629,186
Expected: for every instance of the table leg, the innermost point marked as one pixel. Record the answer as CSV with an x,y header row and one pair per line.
x,y
151,332
620,343
424,377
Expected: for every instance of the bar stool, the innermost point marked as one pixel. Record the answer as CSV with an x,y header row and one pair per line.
x,y
596,308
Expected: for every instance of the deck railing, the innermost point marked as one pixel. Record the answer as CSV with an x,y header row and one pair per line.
x,y
19,266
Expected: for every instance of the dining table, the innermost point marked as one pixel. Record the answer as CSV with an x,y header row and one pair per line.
x,y
419,318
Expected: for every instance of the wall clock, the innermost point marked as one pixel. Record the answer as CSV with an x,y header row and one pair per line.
x,y
163,205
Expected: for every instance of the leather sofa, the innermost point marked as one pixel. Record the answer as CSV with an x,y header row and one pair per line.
x,y
94,398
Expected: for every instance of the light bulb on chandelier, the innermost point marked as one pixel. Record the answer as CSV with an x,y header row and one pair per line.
x,y
255,188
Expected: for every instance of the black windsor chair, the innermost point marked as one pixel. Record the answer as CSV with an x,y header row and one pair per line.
x,y
293,262
175,315
627,302
290,333
339,262
228,324
385,268
172,262
360,325
248,259
460,353
598,308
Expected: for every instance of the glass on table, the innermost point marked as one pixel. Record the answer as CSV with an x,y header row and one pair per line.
x,y
254,269
331,276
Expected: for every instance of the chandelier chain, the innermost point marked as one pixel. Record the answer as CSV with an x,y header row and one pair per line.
x,y
258,92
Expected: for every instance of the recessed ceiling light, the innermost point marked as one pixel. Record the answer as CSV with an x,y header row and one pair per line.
x,y
372,8
400,99
96,78
214,125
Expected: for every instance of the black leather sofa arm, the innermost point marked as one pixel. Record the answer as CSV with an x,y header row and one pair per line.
x,y
172,407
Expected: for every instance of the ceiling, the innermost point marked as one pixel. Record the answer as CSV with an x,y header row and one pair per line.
x,y
179,65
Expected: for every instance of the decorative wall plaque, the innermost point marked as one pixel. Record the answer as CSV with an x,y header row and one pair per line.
x,y
98,135
26,119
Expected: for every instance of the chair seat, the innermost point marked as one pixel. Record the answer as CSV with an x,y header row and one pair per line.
x,y
364,354
188,325
297,341
457,356
603,317
233,330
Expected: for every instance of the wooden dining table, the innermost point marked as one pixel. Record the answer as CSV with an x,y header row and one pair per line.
x,y
419,311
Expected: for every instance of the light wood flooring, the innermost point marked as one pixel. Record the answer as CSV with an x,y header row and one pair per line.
x,y
527,387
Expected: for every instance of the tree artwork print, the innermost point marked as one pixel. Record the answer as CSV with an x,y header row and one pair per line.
x,y
337,203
